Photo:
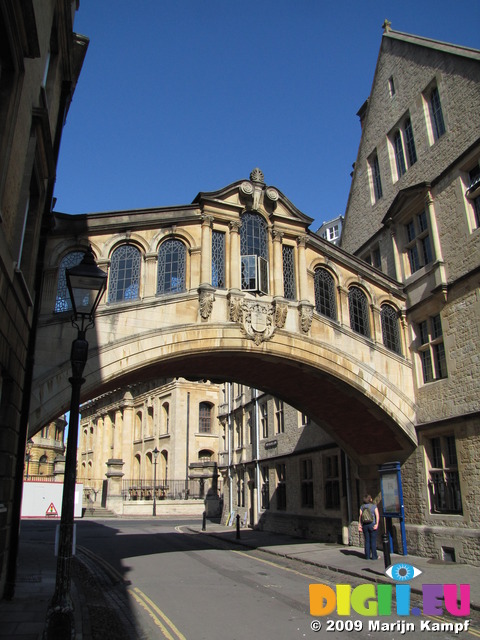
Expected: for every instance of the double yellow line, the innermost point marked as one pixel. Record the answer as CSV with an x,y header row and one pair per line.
x,y
162,621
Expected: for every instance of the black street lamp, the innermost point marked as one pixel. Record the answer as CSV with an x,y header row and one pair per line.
x,y
86,284
28,455
155,456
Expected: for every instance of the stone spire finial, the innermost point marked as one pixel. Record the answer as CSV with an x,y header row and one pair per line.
x,y
387,26
257,176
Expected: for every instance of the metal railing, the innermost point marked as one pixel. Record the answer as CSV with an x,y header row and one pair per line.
x,y
194,489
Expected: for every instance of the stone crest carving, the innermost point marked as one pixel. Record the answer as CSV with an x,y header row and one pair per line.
x,y
258,320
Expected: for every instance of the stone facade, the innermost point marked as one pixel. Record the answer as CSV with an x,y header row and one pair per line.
x,y
424,228
45,453
40,61
121,431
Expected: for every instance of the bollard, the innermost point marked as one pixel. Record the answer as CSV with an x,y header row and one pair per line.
x,y
386,550
204,521
238,527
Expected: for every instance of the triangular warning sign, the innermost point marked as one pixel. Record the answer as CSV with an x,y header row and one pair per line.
x,y
51,511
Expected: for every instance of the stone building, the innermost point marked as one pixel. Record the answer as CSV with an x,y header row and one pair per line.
x,y
40,61
282,472
45,452
160,436
414,213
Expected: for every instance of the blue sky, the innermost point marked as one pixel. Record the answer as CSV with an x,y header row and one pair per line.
x,y
190,95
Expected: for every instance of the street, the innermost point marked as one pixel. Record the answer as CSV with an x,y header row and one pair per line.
x,y
165,581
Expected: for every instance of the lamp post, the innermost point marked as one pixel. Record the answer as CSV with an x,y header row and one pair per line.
x,y
86,284
155,456
28,450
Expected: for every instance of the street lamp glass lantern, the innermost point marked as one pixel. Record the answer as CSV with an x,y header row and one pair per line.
x,y
86,284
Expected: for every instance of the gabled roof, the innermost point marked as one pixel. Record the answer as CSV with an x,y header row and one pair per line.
x,y
438,45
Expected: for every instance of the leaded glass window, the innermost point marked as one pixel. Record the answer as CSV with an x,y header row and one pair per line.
x,y
124,281
390,328
399,155
324,287
288,273
172,258
62,301
205,417
410,142
438,123
218,259
358,308
377,181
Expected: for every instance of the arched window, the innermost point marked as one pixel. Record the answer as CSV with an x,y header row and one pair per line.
x,y
205,455
324,287
138,426
43,466
254,252
205,417
358,307
390,328
164,465
166,417
172,260
124,281
137,467
62,301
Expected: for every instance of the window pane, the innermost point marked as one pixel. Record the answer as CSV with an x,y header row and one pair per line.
x,y
357,302
124,274
253,235
399,156
437,114
411,151
249,273
171,267
390,328
426,365
324,288
288,273
218,259
63,302
377,182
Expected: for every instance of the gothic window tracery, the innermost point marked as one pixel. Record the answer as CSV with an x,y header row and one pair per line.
x,y
62,301
172,260
124,281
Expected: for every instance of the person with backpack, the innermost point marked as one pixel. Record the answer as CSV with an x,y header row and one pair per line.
x,y
368,524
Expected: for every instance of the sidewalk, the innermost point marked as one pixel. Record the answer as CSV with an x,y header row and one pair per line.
x,y
23,618
350,561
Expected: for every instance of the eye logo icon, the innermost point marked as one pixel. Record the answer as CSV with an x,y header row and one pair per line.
x,y
402,572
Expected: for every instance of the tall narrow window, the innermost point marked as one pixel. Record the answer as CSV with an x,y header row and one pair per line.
x,y
281,491
265,488
418,247
399,155
436,113
376,179
332,482
473,192
279,416
431,349
324,288
306,477
358,308
390,328
288,273
410,142
444,481
62,301
254,253
264,419
218,259
172,258
205,417
124,281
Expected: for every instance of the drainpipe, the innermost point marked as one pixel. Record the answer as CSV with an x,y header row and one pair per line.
x,y
257,456
345,531
229,441
187,445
